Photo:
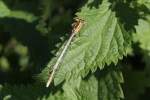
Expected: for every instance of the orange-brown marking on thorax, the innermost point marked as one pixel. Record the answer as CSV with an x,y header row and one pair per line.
x,y
77,25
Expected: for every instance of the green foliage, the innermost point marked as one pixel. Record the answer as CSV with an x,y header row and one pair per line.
x,y
141,78
142,33
101,41
107,83
6,12
46,14
108,59
144,2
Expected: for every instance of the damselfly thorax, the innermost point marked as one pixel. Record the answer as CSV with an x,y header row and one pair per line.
x,y
77,25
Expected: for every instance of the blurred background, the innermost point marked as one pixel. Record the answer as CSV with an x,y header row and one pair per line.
x,y
31,31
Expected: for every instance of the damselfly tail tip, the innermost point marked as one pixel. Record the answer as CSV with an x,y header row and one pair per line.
x,y
50,79
47,84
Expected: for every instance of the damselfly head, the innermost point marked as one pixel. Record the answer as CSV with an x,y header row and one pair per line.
x,y
77,24
77,20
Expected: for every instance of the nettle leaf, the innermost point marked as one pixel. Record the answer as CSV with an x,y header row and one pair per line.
x,y
144,2
101,41
78,89
143,33
109,86
6,12
106,86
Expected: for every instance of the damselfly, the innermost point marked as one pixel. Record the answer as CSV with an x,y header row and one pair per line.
x,y
76,26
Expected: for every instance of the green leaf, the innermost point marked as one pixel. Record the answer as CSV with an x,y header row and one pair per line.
x,y
143,33
57,96
23,15
78,89
109,85
6,12
101,41
144,2
106,86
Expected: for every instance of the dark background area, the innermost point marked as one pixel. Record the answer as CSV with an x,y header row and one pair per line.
x,y
25,48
